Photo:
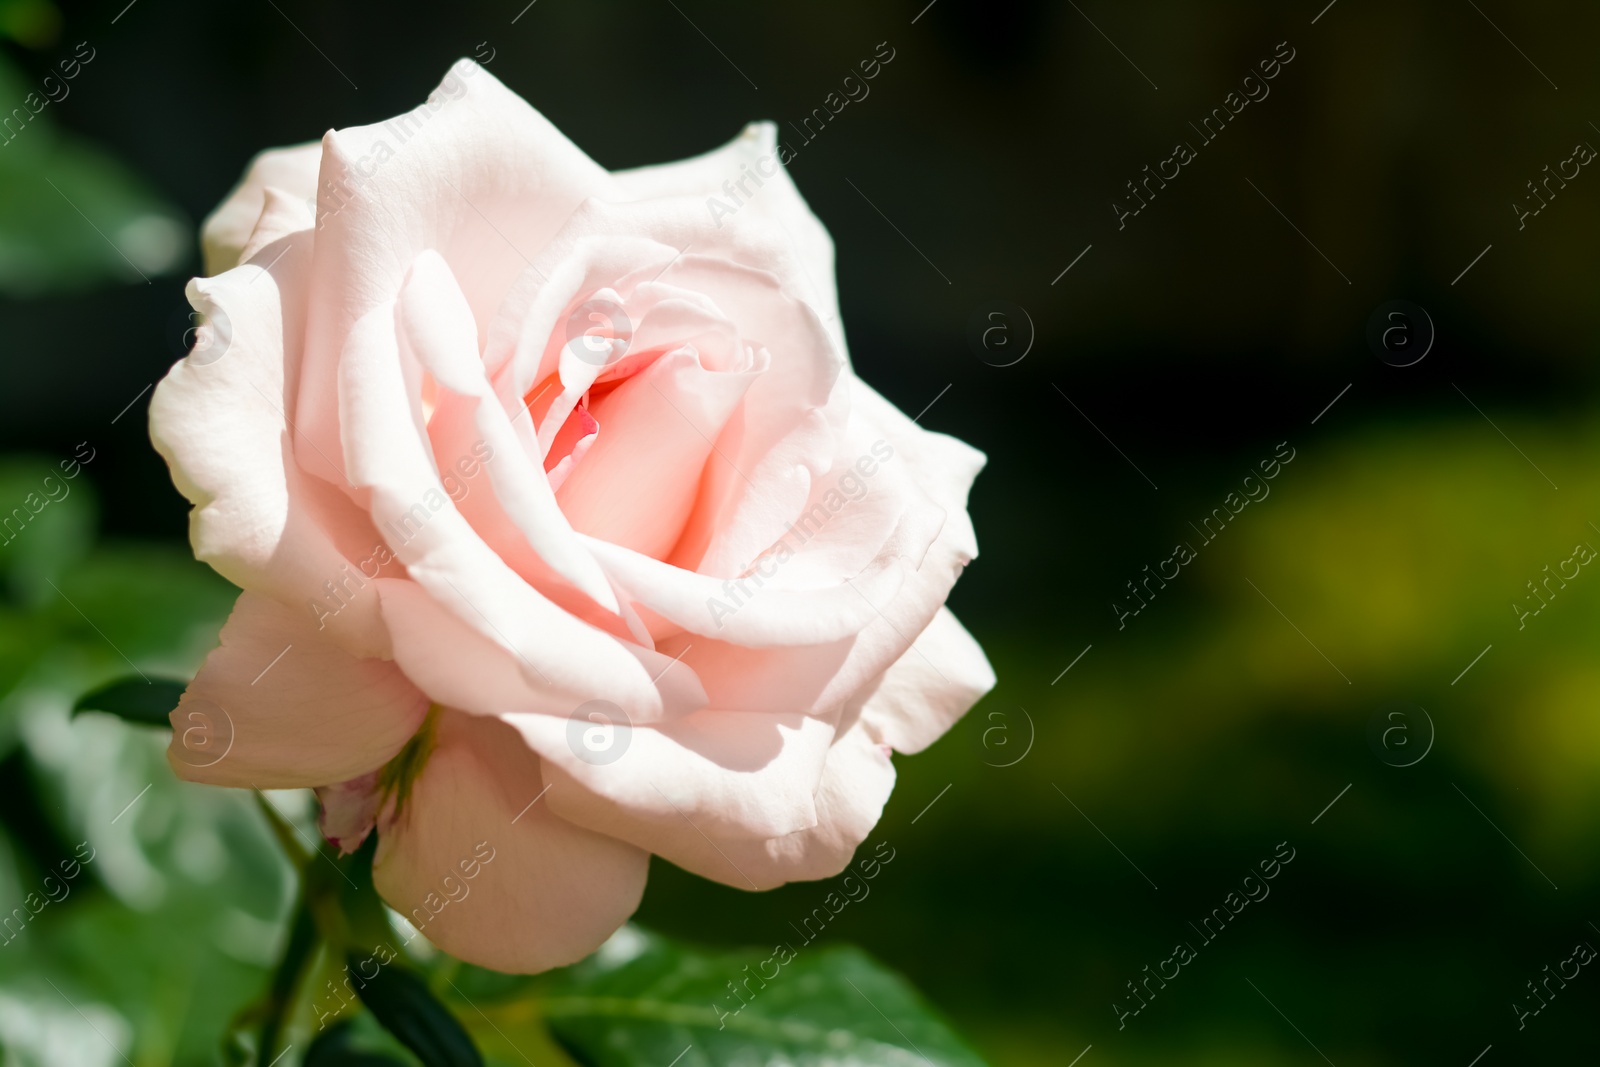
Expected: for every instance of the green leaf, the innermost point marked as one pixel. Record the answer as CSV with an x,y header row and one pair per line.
x,y
339,1046
645,1000
402,1003
135,699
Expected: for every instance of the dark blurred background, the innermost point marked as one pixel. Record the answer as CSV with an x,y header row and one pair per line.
x,y
1185,345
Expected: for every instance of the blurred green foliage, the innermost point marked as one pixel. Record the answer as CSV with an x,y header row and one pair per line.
x,y
165,930
32,22
71,215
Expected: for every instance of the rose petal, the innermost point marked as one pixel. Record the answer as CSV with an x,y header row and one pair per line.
x,y
278,706
768,197
484,869
282,214
824,679
922,460
941,465
438,327
639,482
856,783
218,418
726,775
349,811
483,178
747,611
227,229
458,666
792,413
929,688
387,454
572,443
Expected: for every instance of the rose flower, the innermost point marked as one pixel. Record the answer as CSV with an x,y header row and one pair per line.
x,y
565,530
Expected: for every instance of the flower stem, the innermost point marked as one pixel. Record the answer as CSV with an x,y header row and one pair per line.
x,y
285,833
281,994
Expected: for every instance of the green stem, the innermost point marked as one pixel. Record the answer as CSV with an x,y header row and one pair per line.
x,y
285,833
316,922
297,956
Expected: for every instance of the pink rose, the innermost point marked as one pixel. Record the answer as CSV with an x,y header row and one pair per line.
x,y
557,484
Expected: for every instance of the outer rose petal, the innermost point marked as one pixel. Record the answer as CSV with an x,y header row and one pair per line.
x,y
929,688
295,709
490,879
884,640
942,465
260,520
726,775
281,214
228,228
856,783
